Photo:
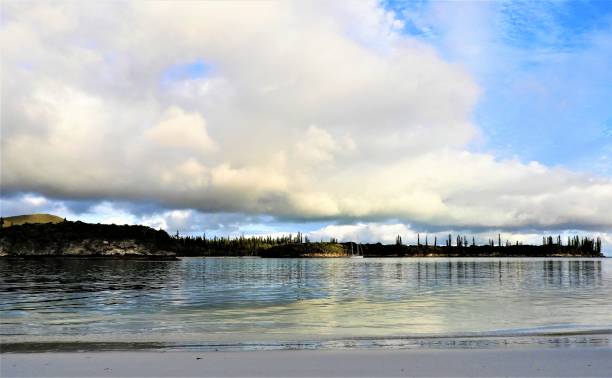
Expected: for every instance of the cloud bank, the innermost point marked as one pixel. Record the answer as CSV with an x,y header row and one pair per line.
x,y
313,111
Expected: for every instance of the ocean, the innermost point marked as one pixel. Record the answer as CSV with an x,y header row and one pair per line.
x,y
262,304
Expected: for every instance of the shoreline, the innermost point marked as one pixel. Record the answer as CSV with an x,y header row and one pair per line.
x,y
179,257
588,338
566,361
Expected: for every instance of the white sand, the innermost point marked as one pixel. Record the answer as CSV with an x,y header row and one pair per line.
x,y
567,362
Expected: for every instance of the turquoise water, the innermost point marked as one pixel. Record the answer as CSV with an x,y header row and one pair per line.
x,y
234,303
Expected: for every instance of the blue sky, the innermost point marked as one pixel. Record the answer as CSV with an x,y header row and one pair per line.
x,y
186,71
542,69
341,119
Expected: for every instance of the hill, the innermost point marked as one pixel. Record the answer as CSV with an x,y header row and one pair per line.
x,y
78,239
30,218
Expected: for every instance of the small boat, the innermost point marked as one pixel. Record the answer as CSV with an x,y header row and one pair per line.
x,y
356,254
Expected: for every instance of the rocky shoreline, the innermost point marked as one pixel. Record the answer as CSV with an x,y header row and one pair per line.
x,y
83,240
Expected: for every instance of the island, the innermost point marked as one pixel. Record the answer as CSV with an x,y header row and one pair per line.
x,y
43,235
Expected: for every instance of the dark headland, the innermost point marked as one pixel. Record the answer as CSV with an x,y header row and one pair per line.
x,y
78,239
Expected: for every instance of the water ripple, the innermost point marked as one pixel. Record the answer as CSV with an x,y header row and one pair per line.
x,y
231,300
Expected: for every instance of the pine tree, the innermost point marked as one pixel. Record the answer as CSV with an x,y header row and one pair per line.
x,y
598,245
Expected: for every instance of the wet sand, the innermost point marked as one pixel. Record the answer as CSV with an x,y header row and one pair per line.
x,y
558,362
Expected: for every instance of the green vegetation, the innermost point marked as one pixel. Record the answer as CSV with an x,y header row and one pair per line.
x,y
84,239
238,246
29,218
318,249
299,246
78,238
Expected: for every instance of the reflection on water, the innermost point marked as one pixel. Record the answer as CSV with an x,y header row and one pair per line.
x,y
262,300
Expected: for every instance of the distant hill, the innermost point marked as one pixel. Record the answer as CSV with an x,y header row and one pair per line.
x,y
30,218
78,239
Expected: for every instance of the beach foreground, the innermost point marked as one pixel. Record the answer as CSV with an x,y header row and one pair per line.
x,y
559,362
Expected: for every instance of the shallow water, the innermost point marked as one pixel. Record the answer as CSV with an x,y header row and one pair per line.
x,y
256,303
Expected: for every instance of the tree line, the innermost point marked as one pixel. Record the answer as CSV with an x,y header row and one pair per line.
x,y
299,244
575,242
253,245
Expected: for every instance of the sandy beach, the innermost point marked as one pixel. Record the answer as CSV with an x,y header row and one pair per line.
x,y
534,362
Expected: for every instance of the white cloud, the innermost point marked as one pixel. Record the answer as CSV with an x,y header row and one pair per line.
x,y
317,146
181,130
310,110
365,232
34,200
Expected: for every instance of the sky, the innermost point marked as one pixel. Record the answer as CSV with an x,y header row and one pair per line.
x,y
359,120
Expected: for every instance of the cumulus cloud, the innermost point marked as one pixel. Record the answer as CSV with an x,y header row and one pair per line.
x,y
181,130
308,111
365,233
